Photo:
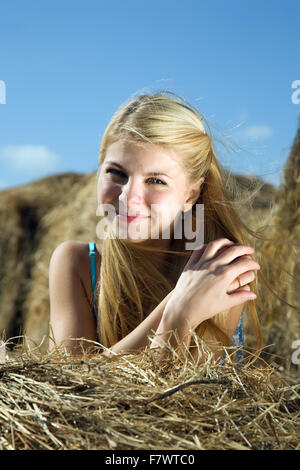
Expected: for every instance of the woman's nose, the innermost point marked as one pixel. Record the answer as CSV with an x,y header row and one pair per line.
x,y
132,192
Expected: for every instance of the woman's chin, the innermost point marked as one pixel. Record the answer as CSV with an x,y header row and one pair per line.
x,y
128,233
137,232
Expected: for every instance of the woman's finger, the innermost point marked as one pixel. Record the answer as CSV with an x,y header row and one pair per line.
x,y
240,296
232,253
241,281
245,287
240,267
214,246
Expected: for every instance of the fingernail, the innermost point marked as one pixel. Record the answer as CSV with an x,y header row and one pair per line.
x,y
252,296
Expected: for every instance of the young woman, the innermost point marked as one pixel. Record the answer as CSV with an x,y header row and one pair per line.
x,y
157,166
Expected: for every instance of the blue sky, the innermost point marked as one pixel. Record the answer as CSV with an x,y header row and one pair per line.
x,y
66,66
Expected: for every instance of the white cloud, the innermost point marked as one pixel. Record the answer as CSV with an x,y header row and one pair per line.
x,y
256,132
33,160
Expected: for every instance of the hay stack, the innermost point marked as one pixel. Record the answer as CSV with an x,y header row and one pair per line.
x,y
281,322
73,218
133,402
24,255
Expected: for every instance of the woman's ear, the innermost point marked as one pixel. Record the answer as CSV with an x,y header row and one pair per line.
x,y
194,192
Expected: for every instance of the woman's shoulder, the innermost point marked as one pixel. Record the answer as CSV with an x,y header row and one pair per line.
x,y
83,262
76,252
83,248
80,249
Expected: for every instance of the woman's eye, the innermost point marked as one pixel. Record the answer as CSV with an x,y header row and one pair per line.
x,y
110,170
161,181
113,169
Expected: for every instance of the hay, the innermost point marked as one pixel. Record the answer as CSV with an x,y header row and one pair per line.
x,y
24,261
133,402
281,322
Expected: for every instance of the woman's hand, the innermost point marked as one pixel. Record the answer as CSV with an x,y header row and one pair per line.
x,y
212,281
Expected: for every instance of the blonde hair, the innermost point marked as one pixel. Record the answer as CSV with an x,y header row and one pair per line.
x,y
130,284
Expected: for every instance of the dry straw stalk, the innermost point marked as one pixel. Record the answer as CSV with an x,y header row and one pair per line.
x,y
132,401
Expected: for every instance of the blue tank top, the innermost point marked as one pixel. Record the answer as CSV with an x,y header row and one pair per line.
x,y
238,336
92,253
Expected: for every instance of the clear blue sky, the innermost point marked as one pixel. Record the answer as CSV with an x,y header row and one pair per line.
x,y
65,67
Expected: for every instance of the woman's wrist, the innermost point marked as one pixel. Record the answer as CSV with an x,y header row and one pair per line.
x,y
173,327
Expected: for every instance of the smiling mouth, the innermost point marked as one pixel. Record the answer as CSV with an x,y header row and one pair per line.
x,y
132,218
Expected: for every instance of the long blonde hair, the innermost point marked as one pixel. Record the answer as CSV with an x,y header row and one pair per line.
x,y
130,284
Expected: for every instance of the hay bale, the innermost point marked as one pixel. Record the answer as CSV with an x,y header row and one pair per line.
x,y
133,402
35,218
281,322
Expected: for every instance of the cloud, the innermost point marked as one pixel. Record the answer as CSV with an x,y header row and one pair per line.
x,y
33,160
256,132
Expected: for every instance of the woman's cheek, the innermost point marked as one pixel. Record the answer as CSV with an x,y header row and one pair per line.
x,y
164,210
161,198
107,192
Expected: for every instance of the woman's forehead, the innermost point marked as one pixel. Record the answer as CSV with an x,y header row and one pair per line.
x,y
151,158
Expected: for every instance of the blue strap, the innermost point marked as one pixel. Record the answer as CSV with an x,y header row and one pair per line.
x,y
92,253
238,342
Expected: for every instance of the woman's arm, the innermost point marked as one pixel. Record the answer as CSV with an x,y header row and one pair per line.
x,y
70,312
207,286
138,338
173,331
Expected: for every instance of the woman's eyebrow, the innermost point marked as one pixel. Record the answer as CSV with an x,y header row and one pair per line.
x,y
151,173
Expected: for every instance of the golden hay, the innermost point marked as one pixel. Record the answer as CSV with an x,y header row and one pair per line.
x,y
133,401
35,218
281,322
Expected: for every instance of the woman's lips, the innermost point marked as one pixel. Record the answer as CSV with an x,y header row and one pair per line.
x,y
134,218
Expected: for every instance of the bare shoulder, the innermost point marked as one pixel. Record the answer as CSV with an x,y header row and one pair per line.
x,y
70,292
67,253
83,258
70,265
83,266
76,253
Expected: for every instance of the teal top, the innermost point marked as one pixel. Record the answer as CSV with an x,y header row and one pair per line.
x,y
92,253
238,336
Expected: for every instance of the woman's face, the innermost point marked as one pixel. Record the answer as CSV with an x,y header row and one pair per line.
x,y
147,184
